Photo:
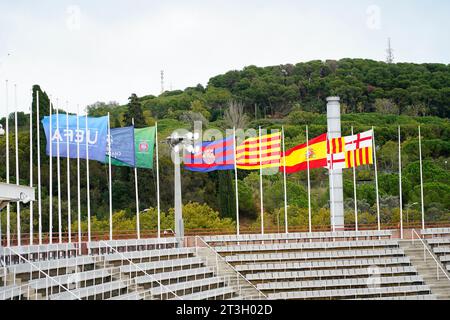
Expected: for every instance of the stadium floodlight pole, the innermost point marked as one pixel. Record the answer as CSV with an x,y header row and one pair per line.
x,y
422,205
87,179
261,183
309,181
285,185
157,181
50,175
400,182
16,140
8,207
376,179
69,211
236,187
38,144
58,171
110,181
136,187
78,179
354,184
31,167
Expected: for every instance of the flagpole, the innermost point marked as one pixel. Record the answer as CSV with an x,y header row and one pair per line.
x,y
136,186
8,207
261,183
50,174
110,181
236,183
58,170
421,181
87,178
400,181
157,180
69,211
31,167
284,185
16,139
38,143
354,185
78,179
376,178
309,181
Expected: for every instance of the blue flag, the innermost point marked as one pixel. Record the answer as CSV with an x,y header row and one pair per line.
x,y
212,156
95,136
122,146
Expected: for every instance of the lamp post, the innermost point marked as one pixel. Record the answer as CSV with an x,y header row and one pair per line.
x,y
176,143
407,211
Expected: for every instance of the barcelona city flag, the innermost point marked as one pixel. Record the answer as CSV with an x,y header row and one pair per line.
x,y
259,152
144,142
212,156
297,158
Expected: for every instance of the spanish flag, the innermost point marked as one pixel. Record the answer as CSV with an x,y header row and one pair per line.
x,y
297,158
248,153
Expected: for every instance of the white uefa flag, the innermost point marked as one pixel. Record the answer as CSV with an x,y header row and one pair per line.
x,y
358,141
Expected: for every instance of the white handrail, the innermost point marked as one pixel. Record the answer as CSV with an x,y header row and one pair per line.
x,y
142,270
438,264
229,265
44,273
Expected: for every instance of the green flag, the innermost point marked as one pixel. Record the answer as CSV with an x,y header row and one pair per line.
x,y
144,141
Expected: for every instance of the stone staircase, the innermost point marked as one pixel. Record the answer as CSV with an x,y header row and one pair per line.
x,y
427,268
243,288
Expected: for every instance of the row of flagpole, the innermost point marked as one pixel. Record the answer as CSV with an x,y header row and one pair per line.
x,y
8,231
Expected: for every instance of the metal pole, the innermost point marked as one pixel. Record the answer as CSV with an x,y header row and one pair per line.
x,y
87,179
58,170
8,208
400,181
38,143
110,181
179,228
236,183
31,167
309,181
16,139
285,185
50,174
261,183
422,203
157,181
69,211
136,188
354,184
376,179
78,178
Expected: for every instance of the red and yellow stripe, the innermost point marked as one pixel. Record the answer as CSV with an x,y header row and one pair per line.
x,y
267,147
358,157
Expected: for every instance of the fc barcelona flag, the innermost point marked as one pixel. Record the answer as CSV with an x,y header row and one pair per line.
x,y
213,156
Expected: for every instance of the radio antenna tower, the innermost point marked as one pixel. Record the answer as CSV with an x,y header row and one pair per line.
x,y
390,53
162,81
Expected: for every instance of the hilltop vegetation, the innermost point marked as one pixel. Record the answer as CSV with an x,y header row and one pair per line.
x,y
372,94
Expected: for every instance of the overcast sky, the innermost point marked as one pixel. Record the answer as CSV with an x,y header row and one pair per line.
x,y
88,51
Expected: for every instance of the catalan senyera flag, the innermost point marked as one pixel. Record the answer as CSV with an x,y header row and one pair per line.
x,y
248,153
297,158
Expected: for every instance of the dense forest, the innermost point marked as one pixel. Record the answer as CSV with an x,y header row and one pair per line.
x,y
293,96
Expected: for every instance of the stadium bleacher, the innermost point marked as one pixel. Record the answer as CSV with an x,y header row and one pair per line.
x,y
439,240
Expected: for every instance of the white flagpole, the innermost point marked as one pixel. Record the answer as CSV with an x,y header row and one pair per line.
x,y
421,181
261,184
31,167
285,186
157,181
8,208
58,171
354,185
309,181
376,178
400,181
136,187
38,143
87,179
110,182
236,183
50,174
78,178
69,211
16,139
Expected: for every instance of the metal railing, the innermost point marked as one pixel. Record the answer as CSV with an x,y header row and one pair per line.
x,y
426,249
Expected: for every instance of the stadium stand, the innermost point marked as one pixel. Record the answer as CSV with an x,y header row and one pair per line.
x,y
439,240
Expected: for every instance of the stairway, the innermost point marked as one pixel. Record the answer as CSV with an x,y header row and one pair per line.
x,y
243,288
427,268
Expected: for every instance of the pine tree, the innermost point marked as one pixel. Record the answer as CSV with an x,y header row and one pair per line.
x,y
134,111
